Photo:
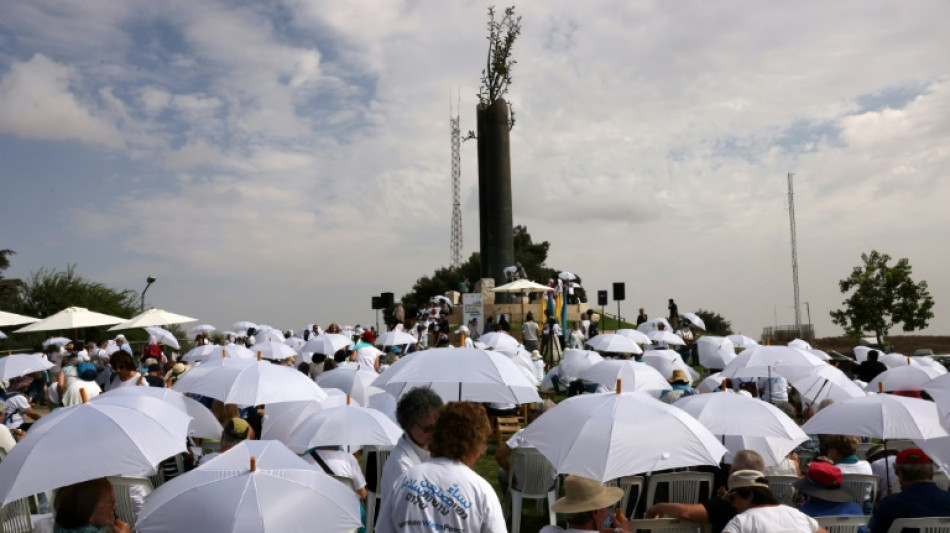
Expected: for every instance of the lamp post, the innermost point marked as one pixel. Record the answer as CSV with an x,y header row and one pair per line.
x,y
148,283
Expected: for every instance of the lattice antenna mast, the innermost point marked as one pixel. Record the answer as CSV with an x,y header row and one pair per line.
x,y
791,219
455,242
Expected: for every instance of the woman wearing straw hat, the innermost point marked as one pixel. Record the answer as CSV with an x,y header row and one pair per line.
x,y
587,505
760,510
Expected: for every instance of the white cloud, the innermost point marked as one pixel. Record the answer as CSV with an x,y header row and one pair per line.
x,y
36,103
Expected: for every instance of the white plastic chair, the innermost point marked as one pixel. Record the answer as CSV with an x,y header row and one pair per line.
x,y
861,487
15,517
631,485
842,523
783,489
667,525
933,524
123,488
535,483
942,480
372,497
684,487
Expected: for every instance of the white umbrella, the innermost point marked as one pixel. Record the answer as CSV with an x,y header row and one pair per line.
x,y
711,383
939,390
567,276
696,321
576,361
902,378
882,416
356,383
439,298
72,318
163,336
21,364
327,344
861,353
384,403
760,361
461,374
498,339
201,328
715,352
815,383
249,382
635,335
741,341
652,325
613,343
203,424
255,486
800,344
281,419
929,362
894,360
395,338
663,336
59,341
2,335
666,361
633,376
111,437
13,319
607,436
153,317
273,350
523,286
820,354
212,352
244,324
762,425
351,426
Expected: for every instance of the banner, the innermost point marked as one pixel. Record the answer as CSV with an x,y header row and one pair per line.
x,y
473,313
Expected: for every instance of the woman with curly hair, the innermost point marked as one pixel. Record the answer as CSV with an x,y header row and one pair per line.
x,y
444,493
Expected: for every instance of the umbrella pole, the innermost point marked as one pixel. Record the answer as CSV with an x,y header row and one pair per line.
x,y
771,399
460,391
887,469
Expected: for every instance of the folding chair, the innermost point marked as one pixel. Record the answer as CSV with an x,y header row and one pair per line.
x,y
505,427
536,483
632,493
781,487
932,524
683,487
842,523
127,491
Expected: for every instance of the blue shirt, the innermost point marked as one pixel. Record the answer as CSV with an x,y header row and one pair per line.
x,y
815,508
919,500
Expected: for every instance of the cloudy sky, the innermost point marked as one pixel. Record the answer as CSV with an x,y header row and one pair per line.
x,y
283,161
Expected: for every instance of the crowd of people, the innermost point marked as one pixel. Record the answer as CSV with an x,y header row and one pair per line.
x,y
428,481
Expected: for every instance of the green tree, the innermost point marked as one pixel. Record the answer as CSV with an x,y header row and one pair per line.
x,y
47,292
716,324
9,288
530,254
883,297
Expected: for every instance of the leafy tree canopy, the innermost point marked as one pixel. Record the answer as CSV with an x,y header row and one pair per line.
x,y
47,292
716,324
883,296
532,256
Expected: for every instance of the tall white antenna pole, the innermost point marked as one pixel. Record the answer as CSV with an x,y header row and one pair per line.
x,y
791,219
455,242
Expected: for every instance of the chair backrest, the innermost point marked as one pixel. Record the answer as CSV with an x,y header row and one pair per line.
x,y
15,517
380,458
536,475
632,493
942,480
668,525
857,486
122,487
683,487
781,487
841,523
933,524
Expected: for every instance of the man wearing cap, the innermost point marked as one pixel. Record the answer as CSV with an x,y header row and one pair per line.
x,y
759,510
824,493
587,506
919,497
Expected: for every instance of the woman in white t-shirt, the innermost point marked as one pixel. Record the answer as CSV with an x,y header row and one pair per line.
x,y
125,374
444,493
